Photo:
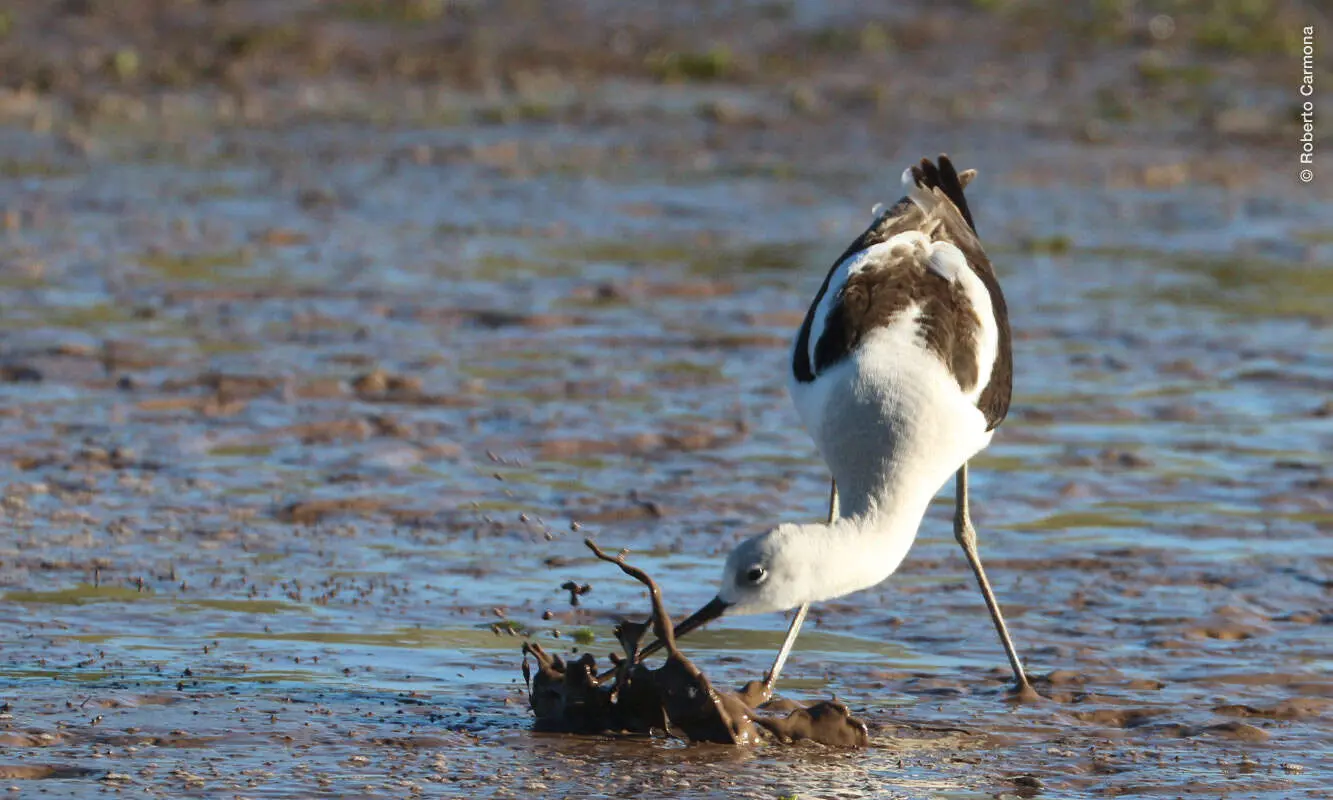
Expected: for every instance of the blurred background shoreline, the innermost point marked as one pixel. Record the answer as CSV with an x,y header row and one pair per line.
x,y
1211,87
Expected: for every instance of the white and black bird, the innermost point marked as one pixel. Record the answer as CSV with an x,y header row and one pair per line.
x,y
900,372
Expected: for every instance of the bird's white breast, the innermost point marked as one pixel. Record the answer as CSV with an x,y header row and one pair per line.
x,y
892,412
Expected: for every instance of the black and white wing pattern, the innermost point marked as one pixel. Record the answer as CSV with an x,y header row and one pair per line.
x,y
920,257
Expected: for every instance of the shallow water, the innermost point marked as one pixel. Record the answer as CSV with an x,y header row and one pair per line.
x,y
298,419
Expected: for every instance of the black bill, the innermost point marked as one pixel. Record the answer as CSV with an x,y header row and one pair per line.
x,y
708,613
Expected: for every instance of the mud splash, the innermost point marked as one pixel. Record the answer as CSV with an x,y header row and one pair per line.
x,y
570,697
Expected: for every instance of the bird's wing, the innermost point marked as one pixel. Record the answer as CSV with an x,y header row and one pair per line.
x,y
911,257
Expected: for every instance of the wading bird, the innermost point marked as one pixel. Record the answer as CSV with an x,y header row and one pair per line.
x,y
900,372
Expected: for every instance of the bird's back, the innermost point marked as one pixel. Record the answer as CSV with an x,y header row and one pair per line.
x,y
910,314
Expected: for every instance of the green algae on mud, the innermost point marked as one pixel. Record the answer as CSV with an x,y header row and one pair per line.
x,y
81,595
211,267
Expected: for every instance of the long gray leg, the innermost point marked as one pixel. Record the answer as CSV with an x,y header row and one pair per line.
x,y
796,622
967,537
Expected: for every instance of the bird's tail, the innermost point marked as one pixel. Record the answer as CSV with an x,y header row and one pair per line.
x,y
921,180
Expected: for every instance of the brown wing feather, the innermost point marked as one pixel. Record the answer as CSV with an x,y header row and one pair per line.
x,y
874,296
900,217
957,227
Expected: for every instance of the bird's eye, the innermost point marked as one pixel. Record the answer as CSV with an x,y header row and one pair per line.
x,y
756,575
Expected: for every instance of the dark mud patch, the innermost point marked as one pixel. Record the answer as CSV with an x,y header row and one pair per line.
x,y
36,772
570,697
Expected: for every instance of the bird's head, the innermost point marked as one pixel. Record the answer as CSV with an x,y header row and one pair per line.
x,y
768,572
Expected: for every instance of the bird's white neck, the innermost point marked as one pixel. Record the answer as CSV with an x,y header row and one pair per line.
x,y
871,538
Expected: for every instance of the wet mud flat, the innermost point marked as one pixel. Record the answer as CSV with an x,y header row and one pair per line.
x,y
302,401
